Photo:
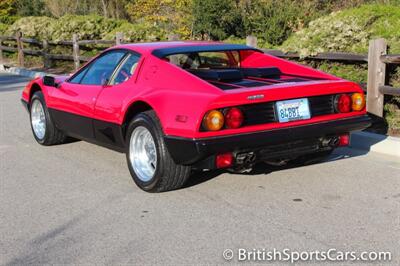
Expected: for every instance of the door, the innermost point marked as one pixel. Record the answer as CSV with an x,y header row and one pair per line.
x,y
72,104
107,114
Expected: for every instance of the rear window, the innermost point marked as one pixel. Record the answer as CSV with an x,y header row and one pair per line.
x,y
205,60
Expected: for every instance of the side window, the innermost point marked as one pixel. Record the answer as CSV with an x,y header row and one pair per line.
x,y
126,69
77,78
101,70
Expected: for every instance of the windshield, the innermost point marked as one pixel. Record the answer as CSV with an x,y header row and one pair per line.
x,y
205,60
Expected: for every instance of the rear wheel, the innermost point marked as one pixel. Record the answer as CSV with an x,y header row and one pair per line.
x,y
43,128
149,161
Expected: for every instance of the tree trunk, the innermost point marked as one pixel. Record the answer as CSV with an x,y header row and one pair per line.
x,y
105,13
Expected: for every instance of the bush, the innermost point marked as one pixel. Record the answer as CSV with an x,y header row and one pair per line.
x,y
33,27
274,21
216,19
169,16
87,27
3,28
137,32
348,31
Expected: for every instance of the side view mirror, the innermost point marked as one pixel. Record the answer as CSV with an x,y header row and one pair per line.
x,y
105,82
49,81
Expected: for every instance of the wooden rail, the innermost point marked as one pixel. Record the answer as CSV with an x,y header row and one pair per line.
x,y
377,59
75,43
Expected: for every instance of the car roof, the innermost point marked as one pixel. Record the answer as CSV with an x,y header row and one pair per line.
x,y
161,49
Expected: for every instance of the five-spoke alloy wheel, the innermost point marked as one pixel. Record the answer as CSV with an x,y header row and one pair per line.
x,y
149,161
43,128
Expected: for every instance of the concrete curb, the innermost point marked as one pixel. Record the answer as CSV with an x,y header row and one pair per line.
x,y
22,71
376,143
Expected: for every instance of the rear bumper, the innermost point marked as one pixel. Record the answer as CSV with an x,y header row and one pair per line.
x,y
190,151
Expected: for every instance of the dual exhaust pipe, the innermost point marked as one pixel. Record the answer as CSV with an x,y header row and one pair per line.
x,y
247,159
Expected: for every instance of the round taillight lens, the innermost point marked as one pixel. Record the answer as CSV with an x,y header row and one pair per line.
x,y
358,101
213,120
233,118
343,103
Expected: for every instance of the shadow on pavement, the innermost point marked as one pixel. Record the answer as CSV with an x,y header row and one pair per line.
x,y
263,168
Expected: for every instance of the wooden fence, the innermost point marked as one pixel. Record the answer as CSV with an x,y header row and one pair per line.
x,y
377,59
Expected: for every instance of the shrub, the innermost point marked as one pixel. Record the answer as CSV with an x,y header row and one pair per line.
x,y
87,27
174,16
216,19
3,28
274,21
348,31
34,27
137,32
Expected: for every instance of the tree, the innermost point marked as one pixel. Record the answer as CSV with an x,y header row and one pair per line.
x,y
30,8
217,19
172,15
7,11
107,8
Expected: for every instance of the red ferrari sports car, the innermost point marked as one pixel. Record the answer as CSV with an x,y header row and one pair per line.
x,y
175,107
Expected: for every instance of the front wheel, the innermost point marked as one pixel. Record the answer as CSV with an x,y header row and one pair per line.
x,y
43,128
149,161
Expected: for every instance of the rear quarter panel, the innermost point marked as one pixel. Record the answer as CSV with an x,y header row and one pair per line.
x,y
171,92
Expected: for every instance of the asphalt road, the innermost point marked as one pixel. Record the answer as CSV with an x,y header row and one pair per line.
x,y
76,204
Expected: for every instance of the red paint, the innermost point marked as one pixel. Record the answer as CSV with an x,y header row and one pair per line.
x,y
172,92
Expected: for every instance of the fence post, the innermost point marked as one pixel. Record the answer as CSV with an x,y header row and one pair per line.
x,y
20,49
376,76
75,50
45,50
119,36
251,41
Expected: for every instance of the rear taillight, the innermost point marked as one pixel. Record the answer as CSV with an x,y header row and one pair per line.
x,y
358,101
343,103
233,118
213,120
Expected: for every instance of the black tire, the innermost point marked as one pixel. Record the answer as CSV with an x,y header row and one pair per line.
x,y
52,135
167,175
314,157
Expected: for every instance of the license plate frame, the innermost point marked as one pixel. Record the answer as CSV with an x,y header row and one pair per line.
x,y
293,110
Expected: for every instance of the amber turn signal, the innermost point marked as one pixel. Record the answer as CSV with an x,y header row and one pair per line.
x,y
358,101
213,120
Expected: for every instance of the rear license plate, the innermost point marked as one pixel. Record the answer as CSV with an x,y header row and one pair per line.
x,y
292,110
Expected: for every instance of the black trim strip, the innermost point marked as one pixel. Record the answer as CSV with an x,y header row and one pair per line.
x,y
106,134
189,151
163,52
